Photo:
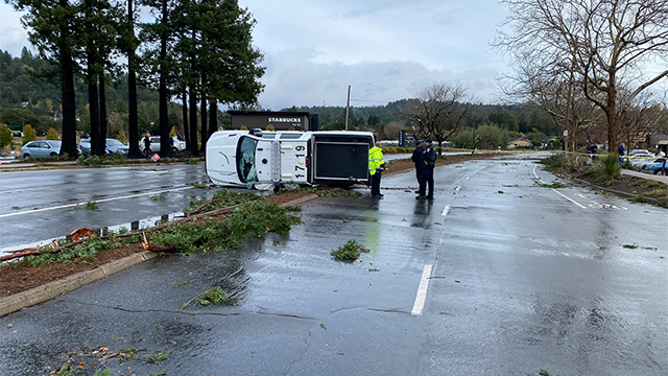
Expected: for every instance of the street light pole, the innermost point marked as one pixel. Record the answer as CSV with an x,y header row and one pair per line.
x,y
348,107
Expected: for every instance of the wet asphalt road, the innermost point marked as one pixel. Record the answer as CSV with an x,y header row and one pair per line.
x,y
523,279
37,205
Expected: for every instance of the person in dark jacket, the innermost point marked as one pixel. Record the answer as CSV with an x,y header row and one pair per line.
x,y
418,159
429,158
147,145
170,151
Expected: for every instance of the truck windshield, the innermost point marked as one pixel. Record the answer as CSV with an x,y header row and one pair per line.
x,y
246,160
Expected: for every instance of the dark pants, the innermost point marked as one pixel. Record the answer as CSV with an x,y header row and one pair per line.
x,y
418,173
375,184
427,178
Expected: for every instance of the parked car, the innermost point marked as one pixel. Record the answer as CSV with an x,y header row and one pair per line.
x,y
656,167
40,149
155,144
642,157
113,146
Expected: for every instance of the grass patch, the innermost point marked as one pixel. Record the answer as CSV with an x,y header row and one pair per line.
x,y
658,193
16,208
155,359
161,373
101,372
544,372
192,161
553,185
158,198
348,252
91,205
215,296
630,246
654,183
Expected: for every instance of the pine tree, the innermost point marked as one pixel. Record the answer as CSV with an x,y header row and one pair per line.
x,y
52,28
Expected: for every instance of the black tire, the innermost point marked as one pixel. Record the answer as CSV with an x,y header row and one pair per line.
x,y
26,156
663,172
54,155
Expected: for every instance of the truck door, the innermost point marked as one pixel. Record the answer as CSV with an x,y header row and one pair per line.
x,y
294,161
268,161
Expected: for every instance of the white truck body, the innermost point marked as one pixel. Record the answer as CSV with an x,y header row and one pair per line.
x,y
243,158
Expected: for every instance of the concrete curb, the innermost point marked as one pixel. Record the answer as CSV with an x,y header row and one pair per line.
x,y
54,289
616,192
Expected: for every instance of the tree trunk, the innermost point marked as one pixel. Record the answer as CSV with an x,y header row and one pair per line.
x,y
164,124
203,133
133,128
69,138
186,128
103,113
213,117
194,150
94,113
611,113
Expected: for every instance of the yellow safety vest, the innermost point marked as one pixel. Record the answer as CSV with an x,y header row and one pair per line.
x,y
375,159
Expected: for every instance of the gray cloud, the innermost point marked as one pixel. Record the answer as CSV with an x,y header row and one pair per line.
x,y
386,49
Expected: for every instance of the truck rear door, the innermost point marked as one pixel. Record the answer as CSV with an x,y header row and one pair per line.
x,y
294,157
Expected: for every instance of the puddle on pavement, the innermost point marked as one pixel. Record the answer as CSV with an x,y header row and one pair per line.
x,y
130,226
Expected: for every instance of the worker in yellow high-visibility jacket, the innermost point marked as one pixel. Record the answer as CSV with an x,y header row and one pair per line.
x,y
376,167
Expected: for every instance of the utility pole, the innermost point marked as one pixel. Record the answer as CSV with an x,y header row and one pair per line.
x,y
348,108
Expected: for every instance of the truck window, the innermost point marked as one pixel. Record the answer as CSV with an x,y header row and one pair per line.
x,y
246,160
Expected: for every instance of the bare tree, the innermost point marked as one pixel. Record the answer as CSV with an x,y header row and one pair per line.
x,y
639,121
438,111
608,42
557,89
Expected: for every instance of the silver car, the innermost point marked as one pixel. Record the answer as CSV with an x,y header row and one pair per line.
x,y
40,149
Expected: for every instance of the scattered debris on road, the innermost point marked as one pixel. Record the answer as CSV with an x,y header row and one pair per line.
x,y
349,252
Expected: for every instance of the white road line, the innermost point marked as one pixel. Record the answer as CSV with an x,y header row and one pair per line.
x,y
536,175
467,178
98,201
446,210
421,297
581,195
24,190
555,191
569,199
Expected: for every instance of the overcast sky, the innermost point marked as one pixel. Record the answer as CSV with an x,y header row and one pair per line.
x,y
385,49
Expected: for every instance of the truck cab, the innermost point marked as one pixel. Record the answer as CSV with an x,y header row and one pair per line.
x,y
255,158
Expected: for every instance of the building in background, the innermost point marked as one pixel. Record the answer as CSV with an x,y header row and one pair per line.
x,y
279,120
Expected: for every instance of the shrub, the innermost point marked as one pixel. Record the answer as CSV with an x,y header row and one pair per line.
x,y
6,137
270,128
29,134
607,168
553,162
52,134
89,161
115,159
574,163
122,137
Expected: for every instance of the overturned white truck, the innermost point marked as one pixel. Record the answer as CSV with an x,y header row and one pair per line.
x,y
268,159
